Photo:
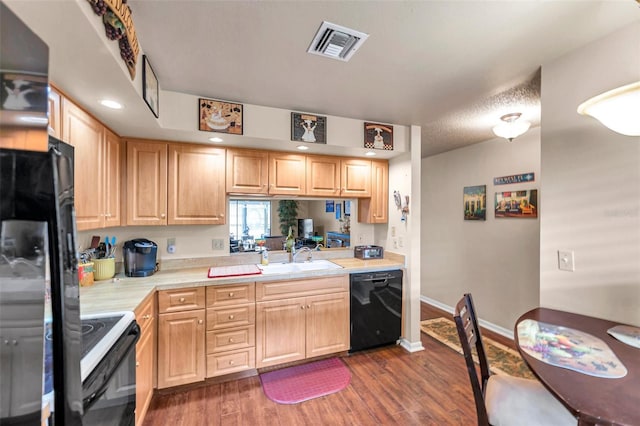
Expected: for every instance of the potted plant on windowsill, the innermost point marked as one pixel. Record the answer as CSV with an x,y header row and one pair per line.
x,y
288,214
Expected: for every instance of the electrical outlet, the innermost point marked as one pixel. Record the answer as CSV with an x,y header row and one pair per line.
x,y
360,238
566,261
171,245
217,244
393,231
400,241
395,243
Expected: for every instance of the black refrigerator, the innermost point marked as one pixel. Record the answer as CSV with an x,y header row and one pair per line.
x,y
40,327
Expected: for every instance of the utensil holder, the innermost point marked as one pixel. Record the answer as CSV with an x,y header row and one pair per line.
x,y
104,269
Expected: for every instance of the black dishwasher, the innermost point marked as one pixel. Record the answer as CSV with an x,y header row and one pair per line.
x,y
376,309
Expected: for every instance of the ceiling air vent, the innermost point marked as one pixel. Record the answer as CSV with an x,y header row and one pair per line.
x,y
336,42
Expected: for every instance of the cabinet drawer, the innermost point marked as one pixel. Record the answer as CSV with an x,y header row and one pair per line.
x,y
145,314
230,294
231,362
232,339
184,299
297,288
231,316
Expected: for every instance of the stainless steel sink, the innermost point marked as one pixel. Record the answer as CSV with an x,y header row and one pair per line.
x,y
289,268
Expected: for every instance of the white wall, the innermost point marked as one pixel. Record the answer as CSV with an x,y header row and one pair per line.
x,y
591,185
497,259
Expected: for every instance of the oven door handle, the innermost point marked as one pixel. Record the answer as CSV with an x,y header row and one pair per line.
x,y
105,372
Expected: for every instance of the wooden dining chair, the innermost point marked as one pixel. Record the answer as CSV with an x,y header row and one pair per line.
x,y
503,399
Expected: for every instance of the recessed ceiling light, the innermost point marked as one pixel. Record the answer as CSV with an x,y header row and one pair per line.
x,y
370,153
303,147
111,104
216,139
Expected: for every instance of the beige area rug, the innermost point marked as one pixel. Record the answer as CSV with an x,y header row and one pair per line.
x,y
502,359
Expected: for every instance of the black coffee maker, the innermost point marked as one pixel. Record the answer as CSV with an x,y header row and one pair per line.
x,y
140,257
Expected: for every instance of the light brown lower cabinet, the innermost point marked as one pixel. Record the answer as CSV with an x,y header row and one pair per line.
x,y
231,318
145,356
313,323
181,337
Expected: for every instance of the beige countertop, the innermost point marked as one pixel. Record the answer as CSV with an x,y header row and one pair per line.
x,y
125,294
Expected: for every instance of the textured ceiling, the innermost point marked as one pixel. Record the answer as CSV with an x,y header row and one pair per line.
x,y
451,67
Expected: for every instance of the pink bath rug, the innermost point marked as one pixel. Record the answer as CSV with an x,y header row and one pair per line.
x,y
303,382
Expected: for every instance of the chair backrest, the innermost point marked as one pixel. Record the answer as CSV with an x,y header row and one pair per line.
x,y
470,337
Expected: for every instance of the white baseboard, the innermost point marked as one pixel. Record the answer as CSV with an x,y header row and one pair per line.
x,y
411,346
486,324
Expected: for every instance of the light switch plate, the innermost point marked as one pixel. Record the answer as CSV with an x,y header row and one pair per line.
x,y
566,261
217,244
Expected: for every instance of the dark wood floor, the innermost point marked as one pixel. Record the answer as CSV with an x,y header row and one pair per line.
x,y
388,386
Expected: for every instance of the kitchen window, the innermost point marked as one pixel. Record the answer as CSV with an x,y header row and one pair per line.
x,y
249,219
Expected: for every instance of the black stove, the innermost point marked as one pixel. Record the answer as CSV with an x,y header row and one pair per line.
x,y
94,329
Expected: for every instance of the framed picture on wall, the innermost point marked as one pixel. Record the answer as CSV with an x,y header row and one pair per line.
x,y
347,208
328,207
517,204
378,136
308,128
338,211
150,90
219,116
474,202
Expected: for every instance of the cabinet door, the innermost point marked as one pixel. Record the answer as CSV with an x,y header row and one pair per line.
x,y
145,356
113,176
356,178
146,183
196,185
376,208
287,174
144,375
280,331
247,171
323,176
327,319
181,345
86,135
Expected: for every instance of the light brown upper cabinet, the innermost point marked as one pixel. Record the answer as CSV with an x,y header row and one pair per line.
x,y
86,134
287,174
376,208
175,184
323,176
355,178
55,113
247,172
112,178
146,183
196,185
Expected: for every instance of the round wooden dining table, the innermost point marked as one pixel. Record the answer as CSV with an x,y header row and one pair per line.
x,y
593,400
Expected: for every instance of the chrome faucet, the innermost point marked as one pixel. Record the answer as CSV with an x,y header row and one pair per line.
x,y
301,250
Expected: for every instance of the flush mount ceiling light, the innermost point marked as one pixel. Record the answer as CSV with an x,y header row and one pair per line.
x,y
336,42
111,104
617,109
302,147
369,153
511,127
216,139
